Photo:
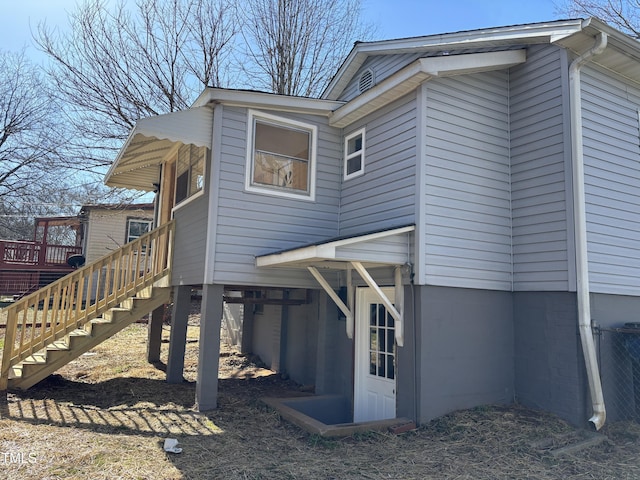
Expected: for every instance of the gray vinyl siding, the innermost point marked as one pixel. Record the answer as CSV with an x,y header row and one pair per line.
x,y
467,193
190,241
612,177
382,67
384,196
251,224
538,176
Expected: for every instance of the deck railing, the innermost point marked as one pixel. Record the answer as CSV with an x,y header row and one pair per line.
x,y
52,312
24,254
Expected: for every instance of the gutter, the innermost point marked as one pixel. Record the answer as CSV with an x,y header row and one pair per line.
x,y
580,223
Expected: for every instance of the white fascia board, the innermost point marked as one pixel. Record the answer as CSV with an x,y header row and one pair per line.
x,y
343,76
387,91
311,254
447,66
327,251
419,71
513,35
622,42
282,103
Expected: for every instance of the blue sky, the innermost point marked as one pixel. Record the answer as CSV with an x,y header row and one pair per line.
x,y
410,18
394,18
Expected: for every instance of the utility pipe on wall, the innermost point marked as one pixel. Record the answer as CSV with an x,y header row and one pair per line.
x,y
580,221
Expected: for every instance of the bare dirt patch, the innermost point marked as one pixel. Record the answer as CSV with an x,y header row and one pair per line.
x,y
107,414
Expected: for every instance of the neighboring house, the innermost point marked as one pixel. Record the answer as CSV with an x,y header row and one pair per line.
x,y
96,231
107,227
473,197
27,265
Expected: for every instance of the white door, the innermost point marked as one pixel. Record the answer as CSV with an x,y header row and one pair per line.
x,y
375,355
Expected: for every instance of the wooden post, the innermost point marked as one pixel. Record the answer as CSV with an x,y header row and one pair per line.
x,y
178,336
246,337
209,347
154,338
9,341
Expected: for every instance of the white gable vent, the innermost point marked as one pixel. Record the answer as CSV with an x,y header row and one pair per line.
x,y
366,80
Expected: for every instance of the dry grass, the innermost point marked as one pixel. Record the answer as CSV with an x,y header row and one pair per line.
x,y
107,414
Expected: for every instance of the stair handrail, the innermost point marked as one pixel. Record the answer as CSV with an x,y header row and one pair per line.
x,y
49,314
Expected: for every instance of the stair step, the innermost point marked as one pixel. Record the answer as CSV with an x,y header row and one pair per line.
x,y
117,314
76,337
39,358
145,293
58,345
60,352
15,371
130,303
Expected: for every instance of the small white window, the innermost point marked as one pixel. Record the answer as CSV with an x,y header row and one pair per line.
x,y
354,154
280,156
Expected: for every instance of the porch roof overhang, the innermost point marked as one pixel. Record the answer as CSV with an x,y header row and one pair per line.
x,y
389,248
137,165
375,249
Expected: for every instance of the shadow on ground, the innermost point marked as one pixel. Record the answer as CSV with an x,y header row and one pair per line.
x,y
132,405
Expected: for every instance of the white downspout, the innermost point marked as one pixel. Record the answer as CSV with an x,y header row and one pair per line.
x,y
580,220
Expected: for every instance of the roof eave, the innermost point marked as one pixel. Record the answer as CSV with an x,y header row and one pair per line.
x,y
410,77
269,101
511,35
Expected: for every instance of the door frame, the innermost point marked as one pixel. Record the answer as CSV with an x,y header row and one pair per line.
x,y
361,349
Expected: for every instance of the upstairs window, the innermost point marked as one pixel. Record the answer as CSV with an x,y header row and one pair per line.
x,y
354,154
281,157
189,171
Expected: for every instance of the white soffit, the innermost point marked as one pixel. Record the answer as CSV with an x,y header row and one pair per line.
x,y
622,54
138,163
387,247
423,69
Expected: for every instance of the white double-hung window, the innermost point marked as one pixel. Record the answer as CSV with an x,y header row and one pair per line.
x,y
354,154
281,156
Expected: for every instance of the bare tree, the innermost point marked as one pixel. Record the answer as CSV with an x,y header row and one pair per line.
x,y
622,14
30,139
295,46
119,64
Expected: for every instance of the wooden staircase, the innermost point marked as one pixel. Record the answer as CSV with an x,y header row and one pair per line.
x,y
51,327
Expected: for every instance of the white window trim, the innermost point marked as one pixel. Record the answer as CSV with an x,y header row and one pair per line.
x,y
139,220
348,176
284,122
199,193
187,200
190,171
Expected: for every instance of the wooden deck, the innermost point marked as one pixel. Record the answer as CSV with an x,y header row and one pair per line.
x,y
27,266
